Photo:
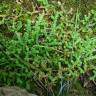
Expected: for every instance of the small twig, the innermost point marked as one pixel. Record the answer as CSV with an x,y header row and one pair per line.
x,y
94,82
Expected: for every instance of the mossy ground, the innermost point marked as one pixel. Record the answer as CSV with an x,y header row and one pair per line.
x,y
40,42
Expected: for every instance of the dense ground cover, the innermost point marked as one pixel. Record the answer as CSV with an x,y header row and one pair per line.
x,y
48,48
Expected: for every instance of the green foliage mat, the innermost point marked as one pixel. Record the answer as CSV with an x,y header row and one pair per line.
x,y
45,48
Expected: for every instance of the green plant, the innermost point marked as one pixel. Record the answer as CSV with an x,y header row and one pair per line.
x,y
45,2
47,55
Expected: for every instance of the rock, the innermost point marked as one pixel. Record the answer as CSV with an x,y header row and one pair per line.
x,y
14,91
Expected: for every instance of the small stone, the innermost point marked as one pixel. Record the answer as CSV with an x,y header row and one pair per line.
x,y
14,91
